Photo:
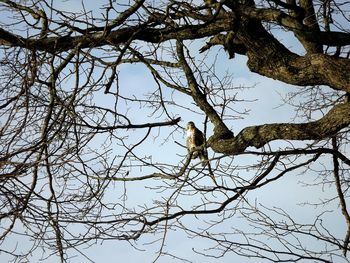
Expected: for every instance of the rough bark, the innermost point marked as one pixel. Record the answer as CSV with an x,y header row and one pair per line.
x,y
257,136
268,57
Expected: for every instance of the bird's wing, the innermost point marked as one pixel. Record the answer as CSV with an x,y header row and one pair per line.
x,y
198,137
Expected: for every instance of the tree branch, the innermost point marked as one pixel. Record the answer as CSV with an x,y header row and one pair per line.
x,y
341,196
257,136
219,126
268,57
142,31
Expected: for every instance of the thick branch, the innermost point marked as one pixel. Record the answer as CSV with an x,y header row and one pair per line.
x,y
311,34
313,69
268,57
258,136
219,126
142,32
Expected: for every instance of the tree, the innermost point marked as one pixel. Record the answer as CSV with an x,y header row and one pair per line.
x,y
79,141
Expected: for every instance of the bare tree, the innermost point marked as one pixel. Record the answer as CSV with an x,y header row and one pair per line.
x,y
80,137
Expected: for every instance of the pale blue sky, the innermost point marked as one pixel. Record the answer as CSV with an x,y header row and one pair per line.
x,y
265,96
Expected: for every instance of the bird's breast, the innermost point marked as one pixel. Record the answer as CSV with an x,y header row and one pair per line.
x,y
189,133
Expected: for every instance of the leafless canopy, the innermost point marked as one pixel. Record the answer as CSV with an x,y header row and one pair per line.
x,y
94,96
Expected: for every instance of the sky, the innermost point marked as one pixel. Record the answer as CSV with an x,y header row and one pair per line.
x,y
266,106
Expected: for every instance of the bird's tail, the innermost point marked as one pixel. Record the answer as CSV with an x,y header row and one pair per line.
x,y
203,156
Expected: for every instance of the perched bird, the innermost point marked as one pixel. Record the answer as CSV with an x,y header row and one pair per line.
x,y
195,139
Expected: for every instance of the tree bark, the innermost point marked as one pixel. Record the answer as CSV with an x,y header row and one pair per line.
x,y
257,136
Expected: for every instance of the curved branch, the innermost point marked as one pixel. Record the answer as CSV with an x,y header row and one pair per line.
x,y
239,193
155,175
311,34
268,57
16,6
257,136
219,126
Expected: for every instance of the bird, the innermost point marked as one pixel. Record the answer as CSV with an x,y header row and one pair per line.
x,y
195,139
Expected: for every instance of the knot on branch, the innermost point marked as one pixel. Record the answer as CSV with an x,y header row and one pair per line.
x,y
252,136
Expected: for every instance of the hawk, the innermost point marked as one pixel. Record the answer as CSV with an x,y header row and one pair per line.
x,y
195,139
